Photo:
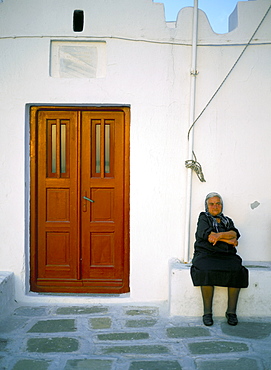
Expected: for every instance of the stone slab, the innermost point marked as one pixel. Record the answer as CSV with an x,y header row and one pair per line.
x,y
155,365
53,326
187,332
45,345
144,349
81,310
237,364
30,311
31,365
252,330
91,364
141,311
140,323
210,347
123,336
100,323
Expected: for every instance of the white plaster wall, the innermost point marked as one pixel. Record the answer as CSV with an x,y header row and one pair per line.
x,y
232,136
153,77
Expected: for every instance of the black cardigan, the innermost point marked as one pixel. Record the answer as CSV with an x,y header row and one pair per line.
x,y
204,228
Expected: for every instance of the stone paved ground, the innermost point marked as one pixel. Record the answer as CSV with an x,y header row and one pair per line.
x,y
128,338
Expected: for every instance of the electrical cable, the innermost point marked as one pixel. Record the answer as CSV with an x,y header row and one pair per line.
x,y
222,83
193,163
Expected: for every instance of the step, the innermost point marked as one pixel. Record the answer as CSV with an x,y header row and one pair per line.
x,y
254,301
7,292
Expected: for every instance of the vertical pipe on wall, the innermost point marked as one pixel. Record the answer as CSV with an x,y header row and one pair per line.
x,y
193,74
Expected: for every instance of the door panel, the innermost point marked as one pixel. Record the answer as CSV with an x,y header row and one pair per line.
x,y
102,230
56,196
79,200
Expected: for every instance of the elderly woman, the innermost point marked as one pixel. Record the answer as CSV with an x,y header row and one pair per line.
x,y
215,262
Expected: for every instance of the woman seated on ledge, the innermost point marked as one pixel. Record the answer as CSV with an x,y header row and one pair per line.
x,y
215,262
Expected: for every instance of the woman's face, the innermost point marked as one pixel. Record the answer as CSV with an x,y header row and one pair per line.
x,y
214,206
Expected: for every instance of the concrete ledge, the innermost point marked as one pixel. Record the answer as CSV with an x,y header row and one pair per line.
x,y
254,301
7,292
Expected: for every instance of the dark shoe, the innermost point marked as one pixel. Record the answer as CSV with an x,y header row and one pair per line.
x,y
232,319
208,319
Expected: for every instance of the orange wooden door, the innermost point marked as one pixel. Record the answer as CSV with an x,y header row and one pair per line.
x,y
79,200
102,182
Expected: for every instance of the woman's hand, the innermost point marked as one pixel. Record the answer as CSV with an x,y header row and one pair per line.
x,y
213,238
228,237
233,241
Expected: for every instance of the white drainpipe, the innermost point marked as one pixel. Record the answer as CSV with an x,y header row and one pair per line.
x,y
193,73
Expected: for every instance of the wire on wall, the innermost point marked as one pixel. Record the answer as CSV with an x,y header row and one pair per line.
x,y
195,166
193,163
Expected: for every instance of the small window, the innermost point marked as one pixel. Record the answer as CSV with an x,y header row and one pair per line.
x,y
78,20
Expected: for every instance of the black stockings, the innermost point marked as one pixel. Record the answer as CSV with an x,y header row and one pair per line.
x,y
208,294
233,294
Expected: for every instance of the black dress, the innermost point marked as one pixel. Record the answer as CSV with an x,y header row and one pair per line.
x,y
216,264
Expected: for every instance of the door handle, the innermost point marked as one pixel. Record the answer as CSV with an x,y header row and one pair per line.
x,y
90,200
85,203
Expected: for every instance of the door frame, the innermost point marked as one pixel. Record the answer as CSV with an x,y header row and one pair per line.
x,y
33,113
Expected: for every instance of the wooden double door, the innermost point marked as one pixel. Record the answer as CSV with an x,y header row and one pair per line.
x,y
79,199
